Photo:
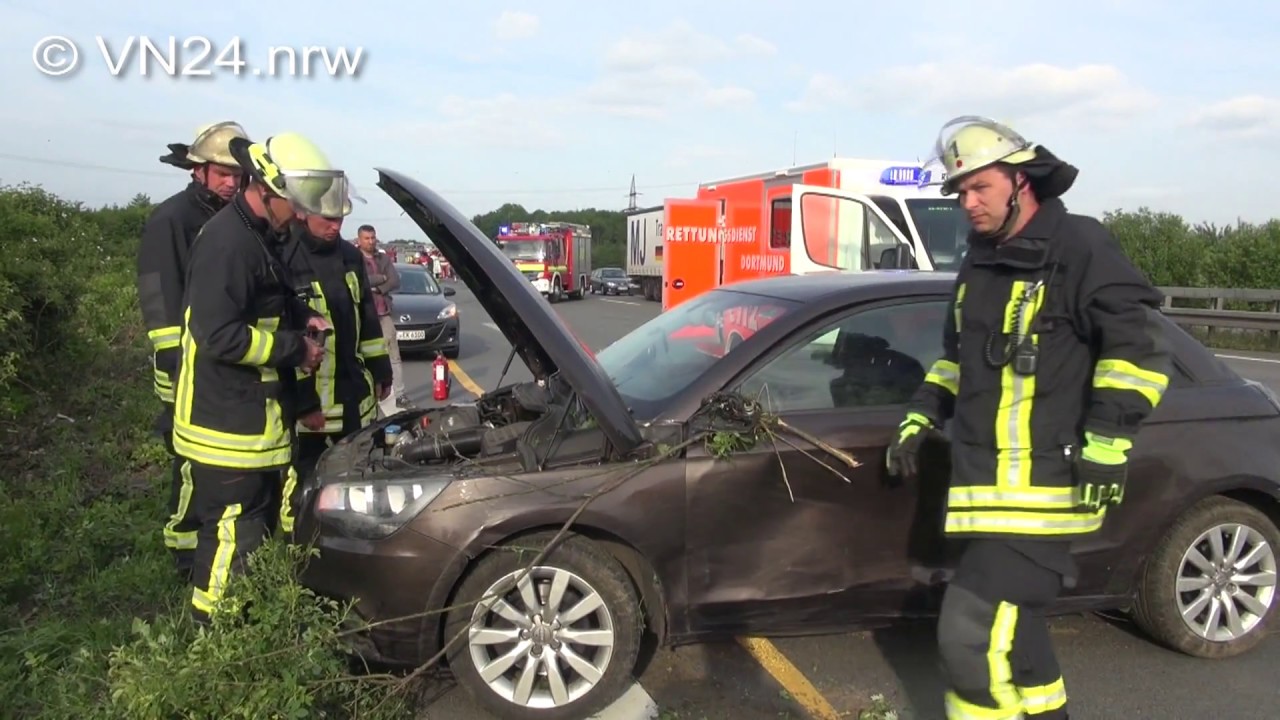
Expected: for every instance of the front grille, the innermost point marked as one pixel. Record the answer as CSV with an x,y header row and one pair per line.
x,y
533,274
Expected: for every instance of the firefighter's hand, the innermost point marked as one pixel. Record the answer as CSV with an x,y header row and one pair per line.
x,y
902,459
313,421
317,324
1102,471
384,391
315,354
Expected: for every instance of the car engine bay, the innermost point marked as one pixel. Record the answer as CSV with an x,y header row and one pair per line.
x,y
525,427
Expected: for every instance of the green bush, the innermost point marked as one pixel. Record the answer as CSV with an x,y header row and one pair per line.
x,y
93,622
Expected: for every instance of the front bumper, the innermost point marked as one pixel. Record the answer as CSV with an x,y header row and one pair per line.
x,y
399,585
542,285
425,337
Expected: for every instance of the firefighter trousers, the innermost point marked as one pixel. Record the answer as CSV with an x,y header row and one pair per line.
x,y
233,509
994,638
181,525
310,446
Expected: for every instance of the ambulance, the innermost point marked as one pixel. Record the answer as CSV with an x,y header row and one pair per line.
x,y
842,215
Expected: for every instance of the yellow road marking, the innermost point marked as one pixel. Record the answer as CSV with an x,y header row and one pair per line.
x,y
790,678
456,370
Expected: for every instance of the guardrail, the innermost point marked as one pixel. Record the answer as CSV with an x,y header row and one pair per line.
x,y
1218,317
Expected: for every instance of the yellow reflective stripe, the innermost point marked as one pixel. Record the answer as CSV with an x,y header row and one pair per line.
x,y
1017,392
353,286
1043,698
206,599
1023,523
373,348
286,511
945,374
1031,497
260,345
999,673
165,338
959,305
172,538
1116,374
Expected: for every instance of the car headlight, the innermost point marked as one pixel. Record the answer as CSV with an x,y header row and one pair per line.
x,y
374,509
448,312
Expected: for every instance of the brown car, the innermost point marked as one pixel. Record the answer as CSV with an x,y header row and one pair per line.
x,y
413,519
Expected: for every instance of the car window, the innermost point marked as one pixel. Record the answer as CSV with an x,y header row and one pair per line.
x,y
416,282
660,359
865,358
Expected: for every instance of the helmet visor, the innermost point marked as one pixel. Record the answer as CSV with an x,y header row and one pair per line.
x,y
327,193
968,143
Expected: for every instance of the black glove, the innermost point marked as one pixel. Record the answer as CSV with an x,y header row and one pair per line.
x,y
902,459
1102,470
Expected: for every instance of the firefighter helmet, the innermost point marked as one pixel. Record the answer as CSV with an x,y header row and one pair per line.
x,y
970,143
294,168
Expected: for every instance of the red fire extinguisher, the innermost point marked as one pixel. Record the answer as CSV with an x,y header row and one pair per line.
x,y
440,378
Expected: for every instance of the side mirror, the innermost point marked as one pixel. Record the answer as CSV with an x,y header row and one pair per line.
x,y
449,292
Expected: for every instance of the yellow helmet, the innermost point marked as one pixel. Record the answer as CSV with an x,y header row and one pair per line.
x,y
295,168
212,143
970,142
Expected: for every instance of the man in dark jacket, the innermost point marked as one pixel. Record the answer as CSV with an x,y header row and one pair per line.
x,y
245,335
1052,359
162,274
342,395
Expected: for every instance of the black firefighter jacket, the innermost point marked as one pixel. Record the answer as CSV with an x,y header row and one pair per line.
x,y
1090,321
242,341
162,274
333,279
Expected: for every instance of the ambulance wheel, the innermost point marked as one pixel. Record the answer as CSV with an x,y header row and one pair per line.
x,y
1209,588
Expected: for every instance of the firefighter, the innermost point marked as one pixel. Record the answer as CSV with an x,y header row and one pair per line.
x,y
245,334
162,269
342,395
1052,359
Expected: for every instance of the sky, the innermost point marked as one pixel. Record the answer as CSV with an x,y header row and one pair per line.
x,y
556,104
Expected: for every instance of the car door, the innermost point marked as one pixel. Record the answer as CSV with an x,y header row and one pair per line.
x,y
784,537
840,230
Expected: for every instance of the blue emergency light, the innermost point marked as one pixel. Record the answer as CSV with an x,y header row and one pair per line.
x,y
904,175
504,229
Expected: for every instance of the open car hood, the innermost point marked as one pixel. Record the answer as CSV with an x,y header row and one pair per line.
x,y
536,332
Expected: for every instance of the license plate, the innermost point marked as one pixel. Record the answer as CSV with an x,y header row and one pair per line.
x,y
411,334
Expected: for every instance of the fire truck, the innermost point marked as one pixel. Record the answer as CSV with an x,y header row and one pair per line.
x,y
555,256
845,214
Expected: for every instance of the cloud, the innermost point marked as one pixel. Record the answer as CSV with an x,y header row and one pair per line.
x,y
514,25
1244,117
692,155
498,122
1086,94
646,75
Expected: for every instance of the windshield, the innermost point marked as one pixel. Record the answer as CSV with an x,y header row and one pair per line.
x,y
416,282
535,250
660,359
612,272
943,228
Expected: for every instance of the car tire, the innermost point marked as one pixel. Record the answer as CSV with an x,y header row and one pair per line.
x,y
1161,602
591,570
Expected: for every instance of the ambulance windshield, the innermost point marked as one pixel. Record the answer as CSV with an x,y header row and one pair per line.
x,y
660,359
534,250
943,228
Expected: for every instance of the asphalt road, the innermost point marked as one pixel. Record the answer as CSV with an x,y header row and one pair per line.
x,y
1111,671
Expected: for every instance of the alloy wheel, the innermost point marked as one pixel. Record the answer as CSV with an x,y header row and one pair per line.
x,y
1226,582
544,642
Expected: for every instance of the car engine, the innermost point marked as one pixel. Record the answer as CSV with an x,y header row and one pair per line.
x,y
519,424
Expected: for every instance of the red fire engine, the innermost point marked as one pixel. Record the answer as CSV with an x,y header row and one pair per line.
x,y
555,256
